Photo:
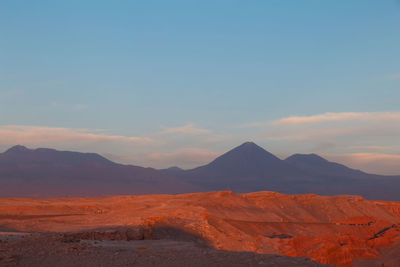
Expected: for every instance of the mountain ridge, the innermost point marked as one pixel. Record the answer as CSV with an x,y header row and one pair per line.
x,y
245,168
21,153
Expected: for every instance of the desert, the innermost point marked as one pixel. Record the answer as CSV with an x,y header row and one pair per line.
x,y
230,229
199,133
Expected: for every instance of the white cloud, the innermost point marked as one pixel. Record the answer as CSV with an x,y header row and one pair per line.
x,y
341,116
328,127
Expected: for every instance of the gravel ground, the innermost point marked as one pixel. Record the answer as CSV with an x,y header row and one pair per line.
x,y
55,250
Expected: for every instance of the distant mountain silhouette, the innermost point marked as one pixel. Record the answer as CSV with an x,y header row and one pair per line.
x,y
248,167
44,156
318,165
173,171
245,168
46,172
247,159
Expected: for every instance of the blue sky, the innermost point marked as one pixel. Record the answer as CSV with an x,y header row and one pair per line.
x,y
186,80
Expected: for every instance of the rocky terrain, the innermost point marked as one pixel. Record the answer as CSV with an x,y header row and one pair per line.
x,y
215,228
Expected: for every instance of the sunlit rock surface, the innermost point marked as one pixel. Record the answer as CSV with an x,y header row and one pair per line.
x,y
338,230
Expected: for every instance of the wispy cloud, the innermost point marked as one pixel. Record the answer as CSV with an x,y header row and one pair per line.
x,y
188,130
341,116
330,125
360,138
363,140
340,133
153,149
37,135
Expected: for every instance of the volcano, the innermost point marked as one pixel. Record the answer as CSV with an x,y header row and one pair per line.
x,y
47,172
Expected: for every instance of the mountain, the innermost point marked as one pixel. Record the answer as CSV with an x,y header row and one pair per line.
x,y
44,156
46,172
333,178
245,168
315,164
172,170
245,160
249,168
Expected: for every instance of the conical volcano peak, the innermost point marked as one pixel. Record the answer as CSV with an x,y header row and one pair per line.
x,y
250,149
246,157
249,145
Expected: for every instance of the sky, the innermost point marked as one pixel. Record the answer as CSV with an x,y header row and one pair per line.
x,y
165,83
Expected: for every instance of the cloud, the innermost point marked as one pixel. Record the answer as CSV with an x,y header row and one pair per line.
x,y
341,116
364,140
38,135
328,127
188,130
138,150
359,134
378,163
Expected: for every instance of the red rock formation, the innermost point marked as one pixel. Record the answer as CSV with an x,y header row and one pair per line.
x,y
337,230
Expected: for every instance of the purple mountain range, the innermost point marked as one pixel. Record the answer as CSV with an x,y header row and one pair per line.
x,y
46,172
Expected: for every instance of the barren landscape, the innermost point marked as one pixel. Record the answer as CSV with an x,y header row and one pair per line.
x,y
215,229
199,133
